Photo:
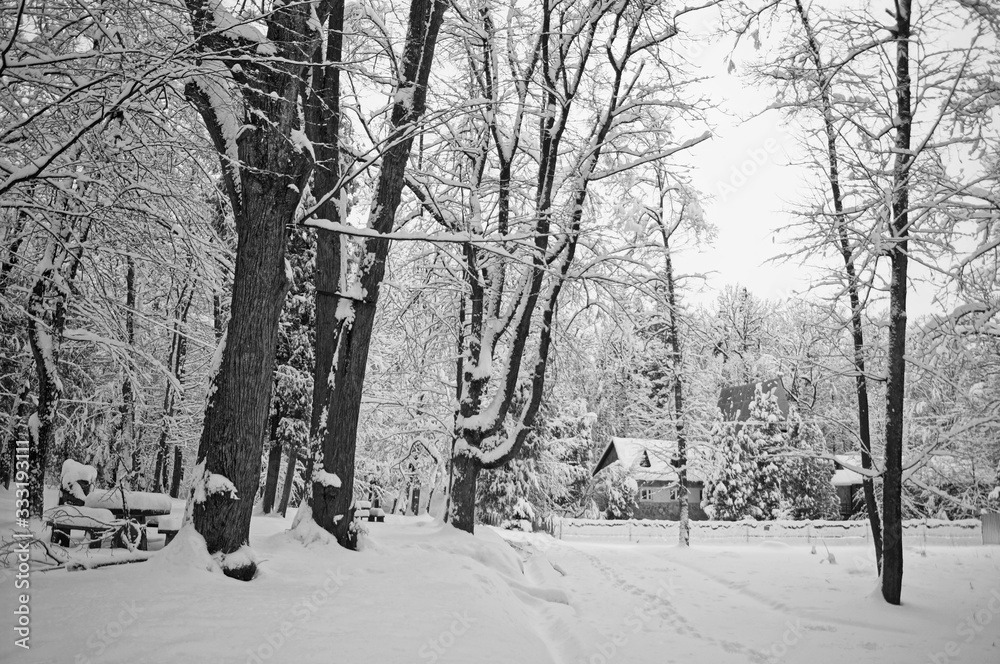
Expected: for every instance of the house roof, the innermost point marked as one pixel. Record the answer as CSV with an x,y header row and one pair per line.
x,y
649,459
735,400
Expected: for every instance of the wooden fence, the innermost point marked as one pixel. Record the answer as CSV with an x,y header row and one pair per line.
x,y
932,532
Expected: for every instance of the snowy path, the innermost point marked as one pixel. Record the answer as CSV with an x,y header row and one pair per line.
x,y
757,605
423,592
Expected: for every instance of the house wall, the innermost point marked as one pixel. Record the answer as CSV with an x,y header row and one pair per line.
x,y
660,505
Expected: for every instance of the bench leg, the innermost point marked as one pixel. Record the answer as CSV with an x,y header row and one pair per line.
x,y
60,536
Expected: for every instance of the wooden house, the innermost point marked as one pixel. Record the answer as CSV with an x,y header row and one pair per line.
x,y
650,464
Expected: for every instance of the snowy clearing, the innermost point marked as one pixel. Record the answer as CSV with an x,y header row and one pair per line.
x,y
421,591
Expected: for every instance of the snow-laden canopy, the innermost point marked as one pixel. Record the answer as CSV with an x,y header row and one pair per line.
x,y
649,459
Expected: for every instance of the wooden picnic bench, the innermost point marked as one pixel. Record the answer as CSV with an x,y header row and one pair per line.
x,y
363,511
95,523
134,505
168,526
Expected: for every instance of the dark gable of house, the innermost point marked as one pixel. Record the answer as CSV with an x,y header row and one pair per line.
x,y
734,401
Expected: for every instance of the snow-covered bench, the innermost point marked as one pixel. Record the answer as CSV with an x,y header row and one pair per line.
x,y
133,505
168,526
363,511
94,522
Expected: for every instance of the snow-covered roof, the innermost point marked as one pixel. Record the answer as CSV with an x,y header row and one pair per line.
x,y
649,459
844,476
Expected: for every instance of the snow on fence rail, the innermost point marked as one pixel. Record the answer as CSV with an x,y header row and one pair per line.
x,y
915,531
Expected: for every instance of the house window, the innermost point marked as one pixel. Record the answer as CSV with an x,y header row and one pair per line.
x,y
645,494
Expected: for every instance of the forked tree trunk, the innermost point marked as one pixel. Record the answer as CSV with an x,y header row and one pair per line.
x,y
344,324
892,488
264,187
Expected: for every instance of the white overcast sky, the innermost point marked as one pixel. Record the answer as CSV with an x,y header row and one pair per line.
x,y
748,216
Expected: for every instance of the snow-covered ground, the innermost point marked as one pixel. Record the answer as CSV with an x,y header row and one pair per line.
x,y
422,592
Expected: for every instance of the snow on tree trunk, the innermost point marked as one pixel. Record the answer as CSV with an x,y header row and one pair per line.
x,y
252,123
345,313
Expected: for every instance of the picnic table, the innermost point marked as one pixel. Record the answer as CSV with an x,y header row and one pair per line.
x,y
95,523
138,505
135,505
102,511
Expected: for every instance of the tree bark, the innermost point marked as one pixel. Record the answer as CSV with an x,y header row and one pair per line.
x,y
892,545
341,369
175,480
676,359
465,472
46,322
857,332
237,412
273,464
286,488
175,363
264,185
125,431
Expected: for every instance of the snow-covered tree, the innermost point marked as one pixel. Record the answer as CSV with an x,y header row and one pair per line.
x,y
750,475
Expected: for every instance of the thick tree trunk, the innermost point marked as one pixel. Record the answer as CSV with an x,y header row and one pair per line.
x,y
892,488
237,413
273,464
465,472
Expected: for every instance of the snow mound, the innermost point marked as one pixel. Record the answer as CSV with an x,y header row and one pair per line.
x,y
241,558
306,530
187,551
